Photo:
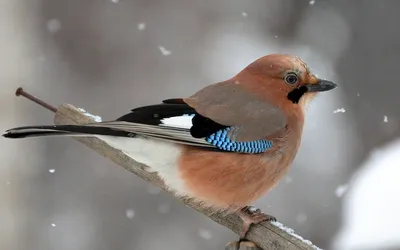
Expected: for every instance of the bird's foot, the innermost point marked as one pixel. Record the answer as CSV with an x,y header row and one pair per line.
x,y
251,215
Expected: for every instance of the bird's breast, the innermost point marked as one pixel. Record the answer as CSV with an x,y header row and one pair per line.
x,y
228,180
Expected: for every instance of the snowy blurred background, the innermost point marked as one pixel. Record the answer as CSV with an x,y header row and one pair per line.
x,y
109,56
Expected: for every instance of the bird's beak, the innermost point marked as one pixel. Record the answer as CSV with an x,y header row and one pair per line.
x,y
321,85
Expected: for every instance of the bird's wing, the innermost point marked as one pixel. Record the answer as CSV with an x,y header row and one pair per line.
x,y
175,121
170,121
230,104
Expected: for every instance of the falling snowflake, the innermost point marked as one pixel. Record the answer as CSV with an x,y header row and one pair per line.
x,y
312,2
205,234
340,190
130,213
115,1
342,110
164,51
8,182
288,179
52,170
164,208
385,118
53,225
275,36
244,14
358,94
141,26
53,25
301,218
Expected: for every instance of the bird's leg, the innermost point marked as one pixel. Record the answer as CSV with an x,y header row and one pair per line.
x,y
251,215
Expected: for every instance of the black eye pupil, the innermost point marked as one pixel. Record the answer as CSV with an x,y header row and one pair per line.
x,y
291,79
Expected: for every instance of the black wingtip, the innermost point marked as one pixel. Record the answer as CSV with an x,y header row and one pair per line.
x,y
8,134
11,136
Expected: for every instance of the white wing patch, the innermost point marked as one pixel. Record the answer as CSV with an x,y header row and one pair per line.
x,y
161,157
183,121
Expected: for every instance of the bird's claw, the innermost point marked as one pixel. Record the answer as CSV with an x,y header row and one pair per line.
x,y
251,215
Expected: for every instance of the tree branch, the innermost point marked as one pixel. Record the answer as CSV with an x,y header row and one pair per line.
x,y
268,236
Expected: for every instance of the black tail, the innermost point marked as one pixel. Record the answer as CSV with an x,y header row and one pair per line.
x,y
64,130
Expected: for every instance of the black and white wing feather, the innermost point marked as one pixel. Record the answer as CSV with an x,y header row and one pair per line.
x,y
172,121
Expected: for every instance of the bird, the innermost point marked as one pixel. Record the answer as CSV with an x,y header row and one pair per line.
x,y
226,145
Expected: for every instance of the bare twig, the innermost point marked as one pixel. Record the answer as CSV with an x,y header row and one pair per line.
x,y
20,92
267,236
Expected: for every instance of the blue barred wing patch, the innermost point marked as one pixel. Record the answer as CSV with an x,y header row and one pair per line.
x,y
221,141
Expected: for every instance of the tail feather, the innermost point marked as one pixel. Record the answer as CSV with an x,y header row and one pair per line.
x,y
112,128
20,135
63,130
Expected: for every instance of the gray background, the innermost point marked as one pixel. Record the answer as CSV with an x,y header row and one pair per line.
x,y
94,54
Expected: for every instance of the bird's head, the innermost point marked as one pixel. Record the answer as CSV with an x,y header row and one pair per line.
x,y
285,78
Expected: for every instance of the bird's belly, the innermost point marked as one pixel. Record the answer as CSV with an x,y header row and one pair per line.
x,y
229,181
220,180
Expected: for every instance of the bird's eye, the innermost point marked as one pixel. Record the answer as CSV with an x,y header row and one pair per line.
x,y
291,78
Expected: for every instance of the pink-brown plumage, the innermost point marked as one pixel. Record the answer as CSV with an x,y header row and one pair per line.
x,y
236,181
232,181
